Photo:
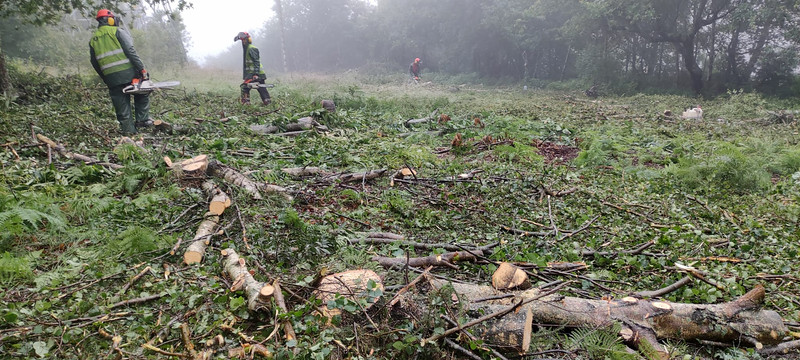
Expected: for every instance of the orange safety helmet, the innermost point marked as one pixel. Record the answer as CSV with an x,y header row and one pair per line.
x,y
417,60
104,13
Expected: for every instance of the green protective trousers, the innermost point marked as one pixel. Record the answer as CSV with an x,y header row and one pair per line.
x,y
122,107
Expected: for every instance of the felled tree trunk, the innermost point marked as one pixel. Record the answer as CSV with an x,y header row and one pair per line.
x,y
732,322
219,199
215,168
430,117
197,249
306,123
230,175
446,259
258,293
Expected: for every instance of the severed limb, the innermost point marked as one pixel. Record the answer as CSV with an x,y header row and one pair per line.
x,y
219,199
665,290
288,330
258,293
197,249
354,177
63,151
446,259
728,323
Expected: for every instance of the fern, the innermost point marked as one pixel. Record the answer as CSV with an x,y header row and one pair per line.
x,y
14,269
136,240
18,219
601,343
133,176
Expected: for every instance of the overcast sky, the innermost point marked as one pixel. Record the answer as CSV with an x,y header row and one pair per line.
x,y
212,24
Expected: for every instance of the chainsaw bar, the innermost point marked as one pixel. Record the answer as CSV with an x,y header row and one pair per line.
x,y
148,86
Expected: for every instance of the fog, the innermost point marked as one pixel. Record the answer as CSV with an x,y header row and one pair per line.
x,y
616,47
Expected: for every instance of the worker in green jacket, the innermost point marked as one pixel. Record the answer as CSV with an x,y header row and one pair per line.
x,y
114,59
252,73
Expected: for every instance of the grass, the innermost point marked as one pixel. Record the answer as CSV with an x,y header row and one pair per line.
x,y
724,186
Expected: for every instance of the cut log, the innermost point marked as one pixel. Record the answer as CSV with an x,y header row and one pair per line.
x,y
508,276
195,165
63,151
291,129
729,323
430,117
197,249
219,199
258,293
161,125
230,175
446,259
264,129
353,285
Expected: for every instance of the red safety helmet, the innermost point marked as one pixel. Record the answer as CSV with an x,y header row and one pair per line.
x,y
417,60
104,13
242,36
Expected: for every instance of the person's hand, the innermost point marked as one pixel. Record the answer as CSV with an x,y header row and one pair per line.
x,y
145,75
255,77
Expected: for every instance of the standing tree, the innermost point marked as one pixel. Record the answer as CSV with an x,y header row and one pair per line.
x,y
40,12
677,22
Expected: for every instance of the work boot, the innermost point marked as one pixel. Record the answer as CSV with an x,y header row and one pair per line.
x,y
144,124
266,101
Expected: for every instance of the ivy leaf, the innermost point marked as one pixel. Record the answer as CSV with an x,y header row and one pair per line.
x,y
41,348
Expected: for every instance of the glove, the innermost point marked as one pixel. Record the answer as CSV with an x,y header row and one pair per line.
x,y
255,77
145,75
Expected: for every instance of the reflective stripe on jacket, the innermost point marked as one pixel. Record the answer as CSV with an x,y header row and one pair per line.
x,y
108,51
252,62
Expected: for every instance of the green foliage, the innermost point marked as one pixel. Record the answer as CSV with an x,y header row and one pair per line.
x,y
14,269
75,224
728,168
601,343
788,162
517,152
136,240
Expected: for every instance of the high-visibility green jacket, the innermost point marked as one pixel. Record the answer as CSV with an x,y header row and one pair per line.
x,y
252,62
112,55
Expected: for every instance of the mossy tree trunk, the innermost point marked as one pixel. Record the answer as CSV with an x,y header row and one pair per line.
x,y
5,81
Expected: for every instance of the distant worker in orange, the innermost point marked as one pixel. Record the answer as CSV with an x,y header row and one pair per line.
x,y
253,74
414,69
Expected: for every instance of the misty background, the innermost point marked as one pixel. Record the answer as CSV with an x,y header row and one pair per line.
x,y
619,46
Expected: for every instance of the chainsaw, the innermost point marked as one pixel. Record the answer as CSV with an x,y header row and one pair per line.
x,y
255,85
147,86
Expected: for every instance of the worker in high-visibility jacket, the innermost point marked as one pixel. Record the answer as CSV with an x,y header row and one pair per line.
x,y
252,72
115,60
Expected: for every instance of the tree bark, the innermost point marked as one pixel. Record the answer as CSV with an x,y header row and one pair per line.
x,y
231,175
257,292
737,321
686,47
279,12
5,81
197,249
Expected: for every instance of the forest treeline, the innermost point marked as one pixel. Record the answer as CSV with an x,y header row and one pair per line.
x,y
621,46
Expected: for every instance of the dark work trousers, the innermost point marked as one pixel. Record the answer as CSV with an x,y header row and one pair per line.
x,y
122,107
261,91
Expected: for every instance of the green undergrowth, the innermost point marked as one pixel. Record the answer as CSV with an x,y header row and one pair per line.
x,y
72,235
